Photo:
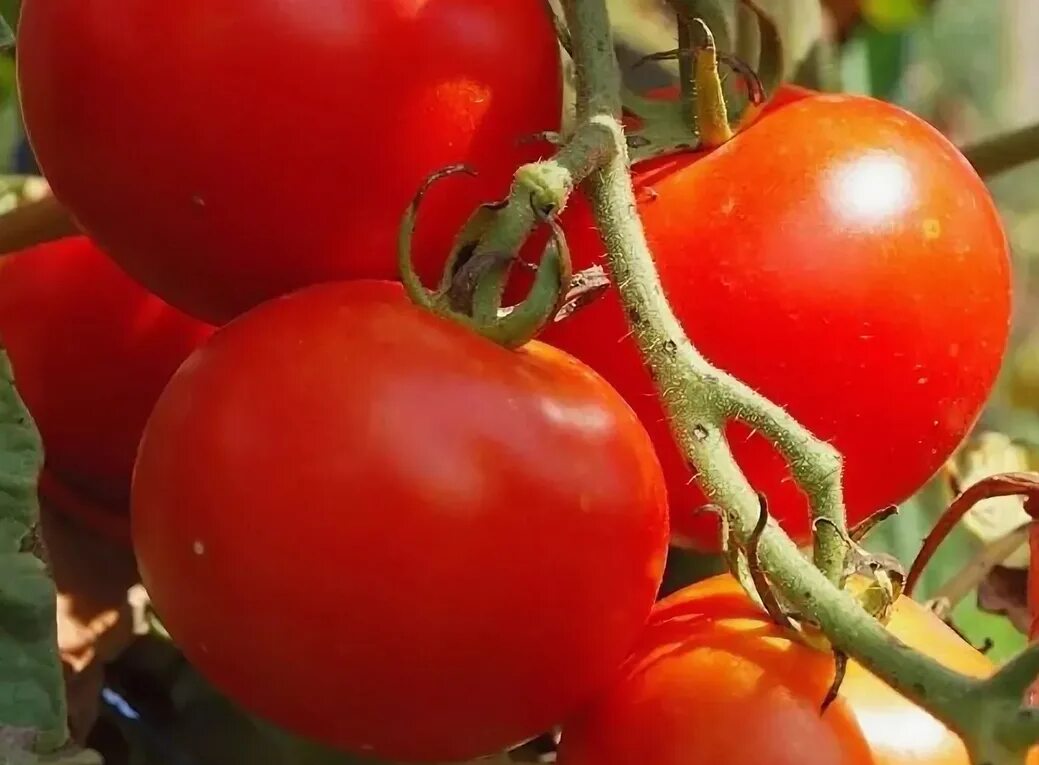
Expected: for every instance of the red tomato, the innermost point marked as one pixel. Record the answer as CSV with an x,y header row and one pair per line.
x,y
1033,600
842,258
228,152
380,530
715,681
1033,583
91,352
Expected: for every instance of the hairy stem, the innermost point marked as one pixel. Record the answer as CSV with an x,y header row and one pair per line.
x,y
700,399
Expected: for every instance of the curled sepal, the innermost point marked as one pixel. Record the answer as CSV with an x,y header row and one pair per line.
x,y
416,290
471,289
768,597
464,248
700,118
712,112
518,324
760,45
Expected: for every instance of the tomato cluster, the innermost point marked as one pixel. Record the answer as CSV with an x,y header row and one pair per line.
x,y
372,526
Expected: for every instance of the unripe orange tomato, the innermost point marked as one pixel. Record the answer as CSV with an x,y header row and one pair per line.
x,y
715,681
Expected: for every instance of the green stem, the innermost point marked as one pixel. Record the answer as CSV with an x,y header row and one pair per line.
x,y
700,399
1004,152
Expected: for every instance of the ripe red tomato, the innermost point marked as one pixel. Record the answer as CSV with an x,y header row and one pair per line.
x,y
228,152
448,545
91,352
1033,586
715,681
842,258
1033,600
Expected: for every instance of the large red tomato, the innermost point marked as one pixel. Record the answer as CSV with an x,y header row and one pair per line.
x,y
842,258
91,352
380,530
227,152
715,681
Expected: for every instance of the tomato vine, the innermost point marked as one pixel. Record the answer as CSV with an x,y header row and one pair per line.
x,y
700,399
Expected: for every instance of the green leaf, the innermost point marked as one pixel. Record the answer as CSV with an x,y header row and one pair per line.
x,y
32,692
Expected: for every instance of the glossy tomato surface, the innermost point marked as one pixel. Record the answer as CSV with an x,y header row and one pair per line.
x,y
228,152
377,529
91,352
843,259
714,681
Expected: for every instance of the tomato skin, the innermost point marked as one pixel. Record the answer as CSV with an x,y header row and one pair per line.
x,y
226,153
91,351
843,259
713,680
1033,586
429,512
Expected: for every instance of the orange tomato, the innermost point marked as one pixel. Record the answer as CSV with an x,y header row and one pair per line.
x,y
715,681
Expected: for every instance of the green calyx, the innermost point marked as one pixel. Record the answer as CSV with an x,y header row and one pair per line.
x,y
471,290
705,113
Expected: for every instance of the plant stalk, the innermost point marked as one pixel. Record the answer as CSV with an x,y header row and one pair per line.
x,y
700,399
1008,151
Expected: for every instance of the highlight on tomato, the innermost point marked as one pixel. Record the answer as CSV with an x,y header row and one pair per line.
x,y
714,680
377,529
91,351
843,259
229,152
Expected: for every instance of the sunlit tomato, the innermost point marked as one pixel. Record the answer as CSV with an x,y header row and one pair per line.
x,y
91,352
382,531
227,152
714,681
843,259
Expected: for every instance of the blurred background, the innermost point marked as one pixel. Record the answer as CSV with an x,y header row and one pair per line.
x,y
971,67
